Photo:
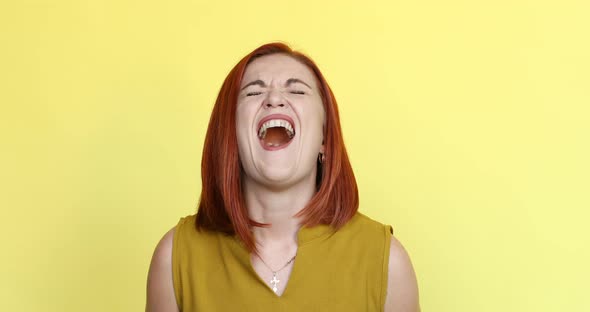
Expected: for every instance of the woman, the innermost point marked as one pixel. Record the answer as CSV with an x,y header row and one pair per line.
x,y
277,226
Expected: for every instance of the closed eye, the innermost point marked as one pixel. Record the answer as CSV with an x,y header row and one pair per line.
x,y
253,93
297,92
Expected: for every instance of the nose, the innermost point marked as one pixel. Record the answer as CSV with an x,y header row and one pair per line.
x,y
274,100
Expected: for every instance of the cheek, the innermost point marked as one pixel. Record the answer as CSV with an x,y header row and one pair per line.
x,y
244,115
320,116
243,124
315,125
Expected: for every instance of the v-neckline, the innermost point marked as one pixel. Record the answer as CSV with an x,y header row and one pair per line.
x,y
305,235
267,286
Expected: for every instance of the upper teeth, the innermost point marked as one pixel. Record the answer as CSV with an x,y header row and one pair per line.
x,y
274,123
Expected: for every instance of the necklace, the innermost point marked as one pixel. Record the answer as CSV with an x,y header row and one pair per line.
x,y
274,281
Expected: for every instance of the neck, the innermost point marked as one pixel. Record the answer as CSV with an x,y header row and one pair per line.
x,y
277,208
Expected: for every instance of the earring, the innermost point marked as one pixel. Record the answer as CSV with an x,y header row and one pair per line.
x,y
321,158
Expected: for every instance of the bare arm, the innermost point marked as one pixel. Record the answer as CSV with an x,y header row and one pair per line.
x,y
160,289
402,287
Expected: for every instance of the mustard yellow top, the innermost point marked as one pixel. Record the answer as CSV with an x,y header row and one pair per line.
x,y
339,271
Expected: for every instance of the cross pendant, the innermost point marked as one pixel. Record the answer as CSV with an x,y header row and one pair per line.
x,y
274,281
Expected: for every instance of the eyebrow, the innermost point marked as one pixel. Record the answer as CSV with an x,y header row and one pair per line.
x,y
255,82
295,80
263,85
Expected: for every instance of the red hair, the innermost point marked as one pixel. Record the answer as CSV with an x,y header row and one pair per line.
x,y
222,207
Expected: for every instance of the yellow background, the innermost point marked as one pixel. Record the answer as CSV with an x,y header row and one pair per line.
x,y
467,123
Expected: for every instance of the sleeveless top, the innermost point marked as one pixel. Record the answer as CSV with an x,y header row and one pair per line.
x,y
344,270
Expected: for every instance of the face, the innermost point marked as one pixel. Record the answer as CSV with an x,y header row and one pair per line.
x,y
279,121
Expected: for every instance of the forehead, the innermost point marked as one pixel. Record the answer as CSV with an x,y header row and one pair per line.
x,y
277,67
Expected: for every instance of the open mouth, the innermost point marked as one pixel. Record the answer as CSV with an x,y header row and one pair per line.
x,y
275,133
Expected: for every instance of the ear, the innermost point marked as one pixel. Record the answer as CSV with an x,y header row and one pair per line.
x,y
323,146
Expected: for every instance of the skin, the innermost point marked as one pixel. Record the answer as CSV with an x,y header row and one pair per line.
x,y
278,184
278,84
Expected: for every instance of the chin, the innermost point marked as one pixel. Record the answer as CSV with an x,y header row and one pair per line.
x,y
277,175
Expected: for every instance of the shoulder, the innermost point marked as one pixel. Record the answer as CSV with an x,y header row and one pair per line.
x,y
160,287
365,234
163,252
402,286
401,290
361,222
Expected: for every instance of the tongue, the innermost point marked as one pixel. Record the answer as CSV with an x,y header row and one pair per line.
x,y
276,136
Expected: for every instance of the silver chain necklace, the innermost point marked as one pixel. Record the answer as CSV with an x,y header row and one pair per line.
x,y
274,281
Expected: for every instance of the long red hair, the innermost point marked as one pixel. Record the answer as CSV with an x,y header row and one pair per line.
x,y
222,207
